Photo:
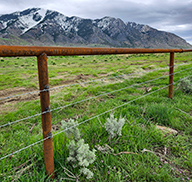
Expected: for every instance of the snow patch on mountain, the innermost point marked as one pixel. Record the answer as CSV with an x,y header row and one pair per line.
x,y
68,23
140,27
145,28
4,24
61,20
31,20
104,22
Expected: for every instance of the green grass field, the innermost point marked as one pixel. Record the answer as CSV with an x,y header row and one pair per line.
x,y
145,152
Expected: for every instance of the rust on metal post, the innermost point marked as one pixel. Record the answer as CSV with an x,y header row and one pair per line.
x,y
46,118
171,70
11,51
187,50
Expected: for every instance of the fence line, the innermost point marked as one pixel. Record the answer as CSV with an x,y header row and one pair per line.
x,y
43,52
91,81
90,98
91,118
122,105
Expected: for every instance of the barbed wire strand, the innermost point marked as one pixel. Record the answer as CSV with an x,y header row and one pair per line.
x,y
19,120
180,71
90,119
90,98
24,148
184,112
90,81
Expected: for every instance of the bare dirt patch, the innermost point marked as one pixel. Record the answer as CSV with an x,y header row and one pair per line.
x,y
34,96
14,91
9,105
75,79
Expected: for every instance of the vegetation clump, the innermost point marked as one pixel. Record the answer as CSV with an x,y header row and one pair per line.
x,y
79,153
186,86
160,113
113,126
72,129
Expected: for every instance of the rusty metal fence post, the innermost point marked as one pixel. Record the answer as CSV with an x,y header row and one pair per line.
x,y
46,118
171,70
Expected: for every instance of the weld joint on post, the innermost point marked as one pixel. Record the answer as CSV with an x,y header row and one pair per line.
x,y
43,54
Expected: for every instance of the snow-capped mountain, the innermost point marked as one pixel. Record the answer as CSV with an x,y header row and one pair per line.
x,y
22,21
37,26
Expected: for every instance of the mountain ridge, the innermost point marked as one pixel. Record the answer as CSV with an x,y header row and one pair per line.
x,y
37,26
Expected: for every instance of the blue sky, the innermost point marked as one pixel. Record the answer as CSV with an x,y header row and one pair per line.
x,y
168,15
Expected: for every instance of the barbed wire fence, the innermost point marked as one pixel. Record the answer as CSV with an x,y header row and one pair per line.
x,y
96,116
90,81
124,76
90,98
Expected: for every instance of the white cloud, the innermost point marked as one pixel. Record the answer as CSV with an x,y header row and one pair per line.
x,y
174,28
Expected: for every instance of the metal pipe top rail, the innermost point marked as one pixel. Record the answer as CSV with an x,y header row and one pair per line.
x,y
13,51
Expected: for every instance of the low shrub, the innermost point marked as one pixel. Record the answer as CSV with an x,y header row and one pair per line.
x,y
186,86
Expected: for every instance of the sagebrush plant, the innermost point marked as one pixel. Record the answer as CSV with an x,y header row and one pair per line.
x,y
186,85
73,130
79,153
113,126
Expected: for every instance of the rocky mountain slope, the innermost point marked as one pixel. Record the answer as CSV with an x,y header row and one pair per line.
x,y
37,26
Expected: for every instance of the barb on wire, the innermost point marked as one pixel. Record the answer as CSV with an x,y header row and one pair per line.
x,y
90,98
87,82
91,118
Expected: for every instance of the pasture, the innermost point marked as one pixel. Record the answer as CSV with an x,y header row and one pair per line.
x,y
88,86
